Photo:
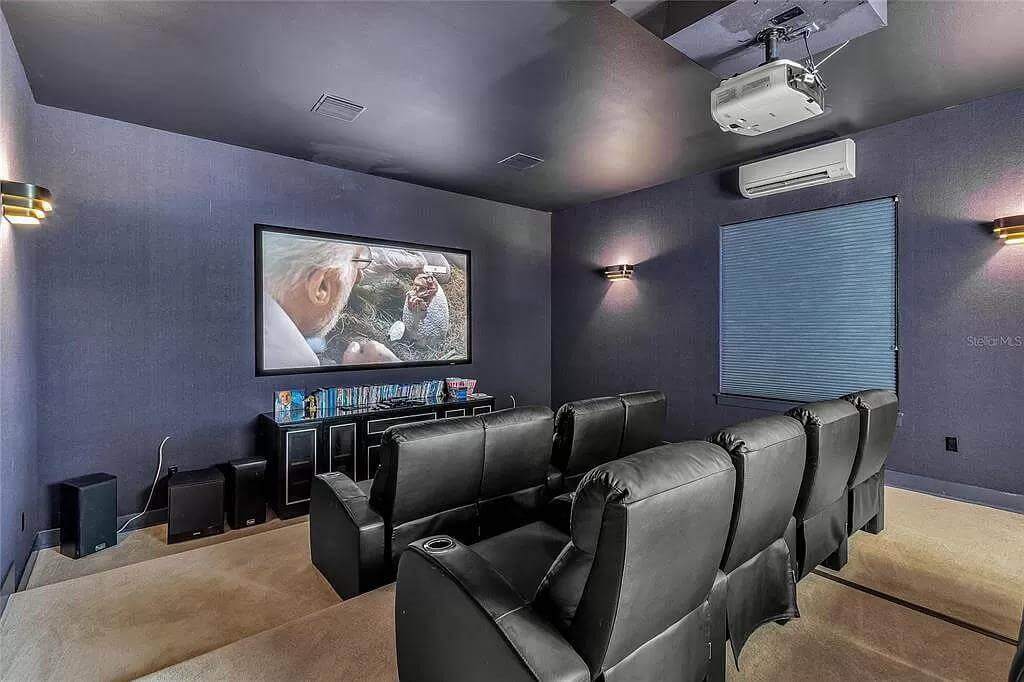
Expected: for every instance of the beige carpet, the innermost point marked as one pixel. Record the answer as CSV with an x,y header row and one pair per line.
x,y
133,620
354,640
959,559
132,547
846,634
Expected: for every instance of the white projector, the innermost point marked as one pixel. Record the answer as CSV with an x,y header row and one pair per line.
x,y
772,96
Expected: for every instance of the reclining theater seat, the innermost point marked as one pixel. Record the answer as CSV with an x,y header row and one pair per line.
x,y
455,476
598,430
878,410
587,433
757,582
833,431
627,598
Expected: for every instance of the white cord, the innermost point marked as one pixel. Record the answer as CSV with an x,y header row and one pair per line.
x,y
156,477
513,400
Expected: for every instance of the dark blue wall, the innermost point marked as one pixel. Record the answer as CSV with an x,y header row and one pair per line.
x,y
955,170
19,474
145,306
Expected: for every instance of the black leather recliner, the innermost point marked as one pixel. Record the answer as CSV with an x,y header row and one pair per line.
x,y
878,411
597,430
833,432
757,582
626,599
467,477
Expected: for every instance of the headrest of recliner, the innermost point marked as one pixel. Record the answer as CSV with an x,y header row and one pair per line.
x,y
823,413
833,432
757,434
872,398
637,477
587,433
517,449
644,421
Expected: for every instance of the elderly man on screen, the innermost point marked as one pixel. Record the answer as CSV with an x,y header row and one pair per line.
x,y
306,286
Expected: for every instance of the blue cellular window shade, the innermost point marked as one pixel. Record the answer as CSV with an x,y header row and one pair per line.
x,y
808,303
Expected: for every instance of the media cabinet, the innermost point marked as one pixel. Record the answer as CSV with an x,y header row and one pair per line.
x,y
297,447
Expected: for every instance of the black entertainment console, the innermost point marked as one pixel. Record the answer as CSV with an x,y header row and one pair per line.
x,y
297,447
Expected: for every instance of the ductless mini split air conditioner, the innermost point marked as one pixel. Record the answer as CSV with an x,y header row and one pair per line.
x,y
808,167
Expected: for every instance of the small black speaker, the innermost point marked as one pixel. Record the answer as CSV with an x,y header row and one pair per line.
x,y
245,497
88,514
195,504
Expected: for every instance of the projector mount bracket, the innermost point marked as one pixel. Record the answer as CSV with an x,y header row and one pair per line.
x,y
773,36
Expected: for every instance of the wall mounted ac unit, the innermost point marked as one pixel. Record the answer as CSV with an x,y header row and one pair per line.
x,y
808,167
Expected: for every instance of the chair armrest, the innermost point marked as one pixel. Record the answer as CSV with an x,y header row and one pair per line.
x,y
346,536
457,619
558,512
555,481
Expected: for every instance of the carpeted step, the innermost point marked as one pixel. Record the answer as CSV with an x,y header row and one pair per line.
x,y
133,620
354,640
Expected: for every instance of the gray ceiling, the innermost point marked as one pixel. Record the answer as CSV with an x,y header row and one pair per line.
x,y
451,88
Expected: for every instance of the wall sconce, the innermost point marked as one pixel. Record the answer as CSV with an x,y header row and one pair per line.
x,y
25,204
1010,229
617,272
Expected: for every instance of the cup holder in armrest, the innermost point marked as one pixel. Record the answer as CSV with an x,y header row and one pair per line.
x,y
438,545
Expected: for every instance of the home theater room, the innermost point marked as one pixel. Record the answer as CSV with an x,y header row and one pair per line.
x,y
519,340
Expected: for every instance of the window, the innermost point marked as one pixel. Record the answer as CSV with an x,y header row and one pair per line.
x,y
808,303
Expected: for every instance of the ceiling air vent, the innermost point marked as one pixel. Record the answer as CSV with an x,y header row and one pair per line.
x,y
520,162
336,107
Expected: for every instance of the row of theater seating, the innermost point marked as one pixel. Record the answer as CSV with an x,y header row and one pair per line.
x,y
472,478
668,553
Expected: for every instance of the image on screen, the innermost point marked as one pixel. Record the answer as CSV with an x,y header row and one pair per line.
x,y
332,302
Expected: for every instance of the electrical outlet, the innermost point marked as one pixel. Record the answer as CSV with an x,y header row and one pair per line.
x,y
951,444
899,419
172,470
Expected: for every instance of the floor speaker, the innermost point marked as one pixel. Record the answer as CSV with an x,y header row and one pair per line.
x,y
245,494
88,514
195,504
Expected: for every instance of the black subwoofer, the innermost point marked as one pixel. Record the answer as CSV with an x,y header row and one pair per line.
x,y
88,514
195,504
246,491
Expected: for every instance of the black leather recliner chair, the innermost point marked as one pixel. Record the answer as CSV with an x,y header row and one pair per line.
x,y
626,599
878,411
757,582
597,430
466,477
833,432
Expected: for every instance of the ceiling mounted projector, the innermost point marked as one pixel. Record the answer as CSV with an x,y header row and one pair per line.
x,y
764,49
772,96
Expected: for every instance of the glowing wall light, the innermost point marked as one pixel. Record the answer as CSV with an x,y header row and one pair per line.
x,y
25,204
617,272
1010,229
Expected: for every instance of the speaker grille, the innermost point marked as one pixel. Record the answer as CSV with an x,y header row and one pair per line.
x,y
337,107
520,162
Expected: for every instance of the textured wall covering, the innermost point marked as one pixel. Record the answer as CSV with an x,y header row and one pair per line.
x,y
960,291
146,302
19,475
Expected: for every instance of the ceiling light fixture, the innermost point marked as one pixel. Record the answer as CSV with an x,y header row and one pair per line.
x,y
1010,229
25,204
618,272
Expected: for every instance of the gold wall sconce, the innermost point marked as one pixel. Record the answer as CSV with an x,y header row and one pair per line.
x,y
617,272
25,204
1010,229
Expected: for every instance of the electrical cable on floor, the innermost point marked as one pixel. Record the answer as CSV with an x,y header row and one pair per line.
x,y
156,477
